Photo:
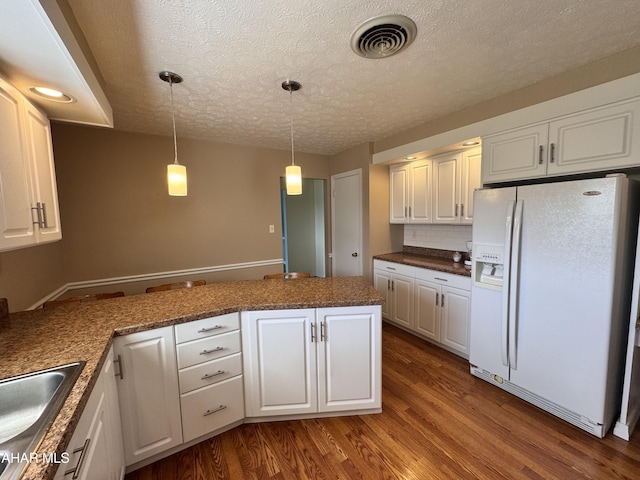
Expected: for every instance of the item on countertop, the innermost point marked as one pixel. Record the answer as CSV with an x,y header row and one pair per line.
x,y
457,257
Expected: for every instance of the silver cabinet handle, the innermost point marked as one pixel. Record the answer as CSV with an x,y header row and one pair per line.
x,y
120,371
462,209
437,298
217,409
44,215
388,284
540,159
313,332
552,149
441,279
76,470
211,375
442,304
205,351
323,337
208,329
393,285
409,211
456,210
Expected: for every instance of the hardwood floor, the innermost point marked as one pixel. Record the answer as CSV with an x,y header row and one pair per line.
x,y
438,422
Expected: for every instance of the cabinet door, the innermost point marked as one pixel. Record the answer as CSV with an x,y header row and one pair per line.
x,y
515,155
148,392
349,357
469,181
402,301
382,284
43,173
398,193
601,139
427,309
445,188
16,223
279,348
113,427
455,319
420,192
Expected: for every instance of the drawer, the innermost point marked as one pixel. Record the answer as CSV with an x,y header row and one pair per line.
x,y
457,281
185,332
205,374
208,409
206,349
395,268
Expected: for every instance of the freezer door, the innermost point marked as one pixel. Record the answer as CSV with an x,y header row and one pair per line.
x,y
566,277
487,331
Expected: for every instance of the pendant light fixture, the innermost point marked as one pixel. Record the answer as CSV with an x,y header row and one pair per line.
x,y
176,173
293,173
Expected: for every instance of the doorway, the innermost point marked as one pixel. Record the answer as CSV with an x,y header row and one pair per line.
x,y
303,228
346,221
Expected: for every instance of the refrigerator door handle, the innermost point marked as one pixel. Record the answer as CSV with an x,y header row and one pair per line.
x,y
513,282
504,339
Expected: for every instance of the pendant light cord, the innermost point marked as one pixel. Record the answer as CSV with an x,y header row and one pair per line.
x,y
173,119
291,124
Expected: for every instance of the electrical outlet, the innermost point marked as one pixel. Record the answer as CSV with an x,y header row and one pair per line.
x,y
272,229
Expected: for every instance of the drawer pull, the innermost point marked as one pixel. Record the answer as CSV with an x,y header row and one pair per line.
x,y
441,279
209,412
208,329
83,453
205,351
211,375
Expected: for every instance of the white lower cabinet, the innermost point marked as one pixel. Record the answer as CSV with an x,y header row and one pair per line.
x,y
95,450
210,374
394,283
311,360
148,392
437,305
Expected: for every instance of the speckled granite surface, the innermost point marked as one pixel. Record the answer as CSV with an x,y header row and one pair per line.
x,y
433,260
39,339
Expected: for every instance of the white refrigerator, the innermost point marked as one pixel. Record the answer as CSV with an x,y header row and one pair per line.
x,y
552,269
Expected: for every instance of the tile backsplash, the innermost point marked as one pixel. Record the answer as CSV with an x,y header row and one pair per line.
x,y
444,237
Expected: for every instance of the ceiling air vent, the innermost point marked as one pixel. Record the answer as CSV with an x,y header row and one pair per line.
x,y
384,36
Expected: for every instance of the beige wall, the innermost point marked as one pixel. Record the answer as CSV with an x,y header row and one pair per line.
x,y
118,220
610,68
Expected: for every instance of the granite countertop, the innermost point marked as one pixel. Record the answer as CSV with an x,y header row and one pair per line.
x,y
440,260
39,339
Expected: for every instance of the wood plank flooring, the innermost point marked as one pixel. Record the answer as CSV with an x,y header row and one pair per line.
x,y
438,422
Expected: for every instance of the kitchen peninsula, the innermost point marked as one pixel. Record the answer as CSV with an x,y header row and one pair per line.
x,y
36,340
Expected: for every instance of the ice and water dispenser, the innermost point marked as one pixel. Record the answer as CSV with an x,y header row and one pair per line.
x,y
488,266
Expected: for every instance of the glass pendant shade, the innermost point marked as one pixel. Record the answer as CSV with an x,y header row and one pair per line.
x,y
293,176
177,180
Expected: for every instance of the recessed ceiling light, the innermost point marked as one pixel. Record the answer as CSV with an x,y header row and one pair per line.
x,y
470,143
52,94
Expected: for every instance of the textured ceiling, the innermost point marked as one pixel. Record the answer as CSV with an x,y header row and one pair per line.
x,y
234,55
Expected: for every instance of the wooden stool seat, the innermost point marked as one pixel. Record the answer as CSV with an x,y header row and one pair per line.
x,y
176,286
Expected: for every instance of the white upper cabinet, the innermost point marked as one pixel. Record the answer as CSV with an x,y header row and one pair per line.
x,y
469,181
410,192
29,213
446,187
606,138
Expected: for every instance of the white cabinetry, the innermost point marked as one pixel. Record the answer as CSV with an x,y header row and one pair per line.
x,y
306,361
148,392
455,176
442,303
95,450
29,213
210,374
394,282
600,139
437,304
410,192
437,190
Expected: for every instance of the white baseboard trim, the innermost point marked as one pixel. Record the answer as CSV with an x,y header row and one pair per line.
x,y
153,276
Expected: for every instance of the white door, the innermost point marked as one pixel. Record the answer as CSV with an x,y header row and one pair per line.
x,y
445,188
427,311
280,362
349,358
398,193
382,283
420,192
469,181
346,223
148,392
455,305
402,300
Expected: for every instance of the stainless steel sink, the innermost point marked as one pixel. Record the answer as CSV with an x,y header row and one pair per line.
x,y
28,405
